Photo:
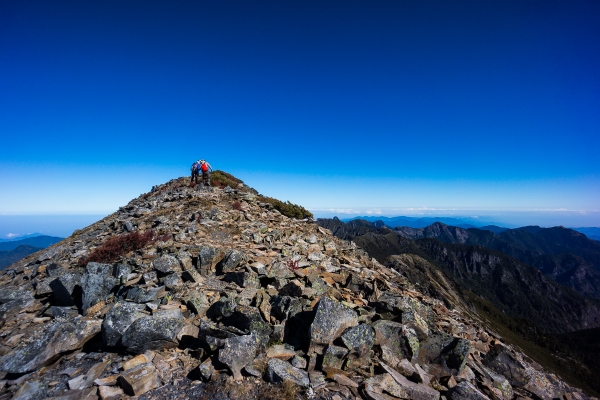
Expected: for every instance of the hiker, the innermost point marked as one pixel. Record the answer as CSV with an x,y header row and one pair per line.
x,y
205,167
195,172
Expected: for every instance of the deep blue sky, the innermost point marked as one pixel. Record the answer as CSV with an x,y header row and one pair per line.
x,y
354,106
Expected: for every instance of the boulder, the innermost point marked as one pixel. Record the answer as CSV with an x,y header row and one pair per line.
x,y
331,319
500,359
208,258
63,288
285,307
152,333
96,283
56,339
118,319
233,258
413,390
198,303
167,264
334,357
359,339
446,355
173,281
388,335
238,352
282,371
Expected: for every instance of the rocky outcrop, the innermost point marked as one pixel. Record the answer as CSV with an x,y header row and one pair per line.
x,y
232,298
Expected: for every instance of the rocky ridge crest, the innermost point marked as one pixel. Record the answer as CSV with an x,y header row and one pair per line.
x,y
232,299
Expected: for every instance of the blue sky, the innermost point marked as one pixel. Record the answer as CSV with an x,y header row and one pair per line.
x,y
391,107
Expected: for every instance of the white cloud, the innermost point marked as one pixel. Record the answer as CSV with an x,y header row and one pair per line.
x,y
12,235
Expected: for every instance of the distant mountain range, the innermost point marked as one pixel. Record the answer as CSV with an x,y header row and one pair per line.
x,y
462,222
20,237
13,250
494,266
40,241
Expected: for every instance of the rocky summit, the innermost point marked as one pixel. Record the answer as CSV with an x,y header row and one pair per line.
x,y
194,293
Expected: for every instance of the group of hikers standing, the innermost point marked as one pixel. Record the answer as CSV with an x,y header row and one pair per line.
x,y
205,168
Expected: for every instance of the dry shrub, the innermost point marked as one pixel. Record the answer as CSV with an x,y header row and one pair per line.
x,y
283,391
116,246
236,205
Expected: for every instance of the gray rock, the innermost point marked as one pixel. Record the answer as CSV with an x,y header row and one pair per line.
x,y
173,281
57,338
446,354
120,270
55,270
331,319
118,319
282,371
413,390
198,303
208,258
7,295
27,391
500,360
334,357
238,352
64,312
299,362
167,264
144,296
243,279
285,307
63,288
233,258
388,335
128,226
152,333
359,339
150,277
96,283
10,309
50,253
466,391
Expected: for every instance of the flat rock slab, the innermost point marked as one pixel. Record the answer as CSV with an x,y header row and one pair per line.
x,y
57,338
331,319
152,333
280,371
466,391
139,380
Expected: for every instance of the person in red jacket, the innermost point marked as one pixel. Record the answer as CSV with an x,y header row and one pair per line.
x,y
206,170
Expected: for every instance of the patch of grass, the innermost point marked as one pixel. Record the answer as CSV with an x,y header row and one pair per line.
x,y
223,179
116,246
288,209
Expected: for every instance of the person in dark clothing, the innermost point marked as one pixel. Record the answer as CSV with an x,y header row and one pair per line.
x,y
195,172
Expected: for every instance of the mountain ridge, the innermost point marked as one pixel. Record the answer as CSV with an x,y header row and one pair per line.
x,y
186,292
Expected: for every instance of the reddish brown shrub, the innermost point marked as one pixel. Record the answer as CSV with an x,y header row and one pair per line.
x,y
292,265
116,246
236,205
